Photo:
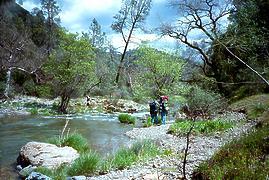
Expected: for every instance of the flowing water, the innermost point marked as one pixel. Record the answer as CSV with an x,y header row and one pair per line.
x,y
103,132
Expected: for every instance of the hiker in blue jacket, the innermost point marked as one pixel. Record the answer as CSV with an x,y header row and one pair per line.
x,y
153,108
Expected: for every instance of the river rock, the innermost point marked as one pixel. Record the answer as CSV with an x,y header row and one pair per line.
x,y
77,178
46,155
37,176
27,171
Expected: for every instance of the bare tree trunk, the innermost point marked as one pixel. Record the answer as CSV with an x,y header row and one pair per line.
x,y
64,104
186,151
124,52
8,81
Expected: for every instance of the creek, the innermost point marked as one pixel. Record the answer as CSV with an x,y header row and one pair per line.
x,y
103,131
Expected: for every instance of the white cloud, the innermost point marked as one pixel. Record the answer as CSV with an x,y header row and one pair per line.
x,y
75,10
153,40
29,5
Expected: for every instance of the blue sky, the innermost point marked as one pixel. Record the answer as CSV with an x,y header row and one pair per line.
x,y
76,16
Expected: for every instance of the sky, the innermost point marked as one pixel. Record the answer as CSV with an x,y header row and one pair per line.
x,y
76,16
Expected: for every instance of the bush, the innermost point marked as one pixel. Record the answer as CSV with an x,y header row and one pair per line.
x,y
127,119
86,164
203,103
74,140
200,127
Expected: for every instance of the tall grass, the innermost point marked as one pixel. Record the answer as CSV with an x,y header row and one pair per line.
x,y
90,163
124,158
74,140
86,164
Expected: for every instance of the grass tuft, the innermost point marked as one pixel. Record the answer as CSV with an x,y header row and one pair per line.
x,y
86,164
127,119
74,140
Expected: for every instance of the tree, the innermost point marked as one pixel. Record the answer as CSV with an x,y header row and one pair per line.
x,y
16,50
98,38
159,71
130,17
51,10
72,67
206,17
105,66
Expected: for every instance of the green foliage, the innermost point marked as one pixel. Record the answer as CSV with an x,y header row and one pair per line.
x,y
138,151
241,159
200,127
124,158
44,90
127,119
33,111
147,123
145,149
204,102
106,165
253,105
57,174
86,164
246,36
159,72
74,140
72,67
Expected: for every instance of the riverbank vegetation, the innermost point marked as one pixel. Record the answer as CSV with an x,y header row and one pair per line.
x,y
127,119
91,163
218,70
246,157
204,127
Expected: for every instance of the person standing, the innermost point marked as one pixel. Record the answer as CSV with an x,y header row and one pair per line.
x,y
163,108
154,112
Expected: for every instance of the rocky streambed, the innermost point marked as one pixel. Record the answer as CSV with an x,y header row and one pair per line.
x,y
169,167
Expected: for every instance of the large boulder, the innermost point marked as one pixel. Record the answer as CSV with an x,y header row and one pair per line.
x,y
46,155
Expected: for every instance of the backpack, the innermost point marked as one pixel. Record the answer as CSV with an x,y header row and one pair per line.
x,y
152,107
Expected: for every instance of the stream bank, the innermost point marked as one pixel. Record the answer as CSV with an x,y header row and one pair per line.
x,y
168,167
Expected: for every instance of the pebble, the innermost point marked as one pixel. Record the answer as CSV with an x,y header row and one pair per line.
x,y
169,167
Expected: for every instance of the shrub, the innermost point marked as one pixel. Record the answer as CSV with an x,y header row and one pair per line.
x,y
86,164
200,127
202,102
127,119
74,140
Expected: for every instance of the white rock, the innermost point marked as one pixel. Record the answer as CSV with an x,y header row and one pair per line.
x,y
47,155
